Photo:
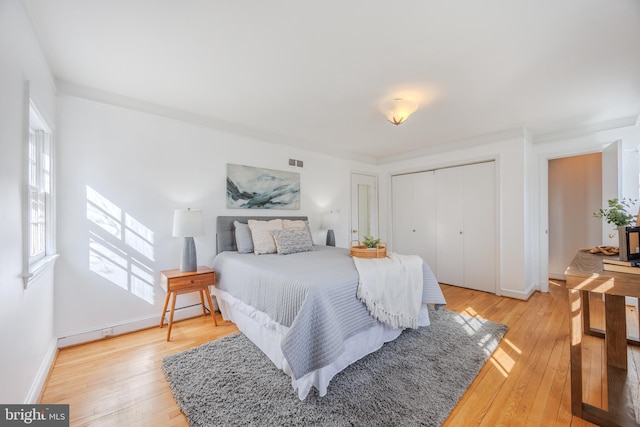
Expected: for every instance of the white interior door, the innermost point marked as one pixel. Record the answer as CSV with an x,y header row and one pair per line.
x,y
364,206
611,179
479,226
449,211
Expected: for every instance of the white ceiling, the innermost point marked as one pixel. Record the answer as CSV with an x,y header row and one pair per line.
x,y
313,73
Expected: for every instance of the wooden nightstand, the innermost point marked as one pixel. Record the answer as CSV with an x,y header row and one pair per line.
x,y
176,282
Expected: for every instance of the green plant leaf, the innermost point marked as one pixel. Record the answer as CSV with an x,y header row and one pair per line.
x,y
616,212
370,242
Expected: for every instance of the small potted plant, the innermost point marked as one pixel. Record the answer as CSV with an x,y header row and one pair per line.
x,y
616,214
370,242
370,248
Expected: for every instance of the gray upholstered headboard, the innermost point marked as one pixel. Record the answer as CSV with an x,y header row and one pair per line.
x,y
225,230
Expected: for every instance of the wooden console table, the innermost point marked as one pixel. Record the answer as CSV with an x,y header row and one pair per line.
x,y
584,276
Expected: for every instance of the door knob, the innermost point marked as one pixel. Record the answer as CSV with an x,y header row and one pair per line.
x,y
354,231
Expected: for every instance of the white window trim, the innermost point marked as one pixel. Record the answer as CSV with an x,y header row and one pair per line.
x,y
39,267
33,269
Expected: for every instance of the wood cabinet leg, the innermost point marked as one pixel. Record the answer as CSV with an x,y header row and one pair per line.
x,y
211,306
586,312
616,331
173,307
204,310
164,309
575,310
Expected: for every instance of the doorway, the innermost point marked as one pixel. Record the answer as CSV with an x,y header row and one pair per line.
x,y
364,206
575,192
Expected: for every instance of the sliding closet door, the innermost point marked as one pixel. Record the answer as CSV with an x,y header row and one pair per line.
x,y
479,224
424,184
402,212
414,215
449,216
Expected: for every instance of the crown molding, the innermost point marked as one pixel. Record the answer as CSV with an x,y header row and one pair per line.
x,y
73,90
458,145
619,123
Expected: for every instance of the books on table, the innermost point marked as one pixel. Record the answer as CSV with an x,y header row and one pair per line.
x,y
614,264
617,261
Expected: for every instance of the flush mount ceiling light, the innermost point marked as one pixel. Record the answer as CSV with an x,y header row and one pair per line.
x,y
398,110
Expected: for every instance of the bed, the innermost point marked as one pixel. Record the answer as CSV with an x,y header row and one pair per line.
x,y
301,309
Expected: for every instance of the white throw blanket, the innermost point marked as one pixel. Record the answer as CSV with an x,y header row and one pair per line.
x,y
391,288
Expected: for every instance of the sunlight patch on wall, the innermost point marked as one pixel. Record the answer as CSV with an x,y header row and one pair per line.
x,y
142,281
120,247
103,213
138,237
107,261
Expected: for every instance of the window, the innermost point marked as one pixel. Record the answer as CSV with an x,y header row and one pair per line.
x,y
39,246
39,192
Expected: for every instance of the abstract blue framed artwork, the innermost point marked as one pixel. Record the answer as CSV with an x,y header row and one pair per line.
x,y
257,188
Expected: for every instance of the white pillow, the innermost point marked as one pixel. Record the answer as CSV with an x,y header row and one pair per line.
x,y
288,224
244,242
263,242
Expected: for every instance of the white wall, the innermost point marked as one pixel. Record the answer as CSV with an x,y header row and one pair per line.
x,y
26,318
581,143
145,166
510,156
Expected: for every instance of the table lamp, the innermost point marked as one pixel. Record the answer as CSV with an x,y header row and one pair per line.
x,y
188,223
330,220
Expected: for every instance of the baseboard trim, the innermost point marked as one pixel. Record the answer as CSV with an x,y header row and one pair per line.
x,y
522,295
37,387
129,326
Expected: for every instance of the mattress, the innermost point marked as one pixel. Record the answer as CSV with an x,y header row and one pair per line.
x,y
302,311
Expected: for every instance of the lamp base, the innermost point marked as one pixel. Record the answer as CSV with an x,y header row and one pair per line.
x,y
331,238
188,262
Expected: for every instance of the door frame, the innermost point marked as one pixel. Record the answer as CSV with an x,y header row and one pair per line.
x,y
540,263
367,178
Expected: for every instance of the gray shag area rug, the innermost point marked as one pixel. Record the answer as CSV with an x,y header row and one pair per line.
x,y
415,380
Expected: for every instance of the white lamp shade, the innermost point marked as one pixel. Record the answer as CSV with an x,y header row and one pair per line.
x,y
330,220
398,110
187,223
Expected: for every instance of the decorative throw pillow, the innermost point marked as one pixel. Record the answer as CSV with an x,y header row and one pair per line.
x,y
263,242
292,241
244,241
288,224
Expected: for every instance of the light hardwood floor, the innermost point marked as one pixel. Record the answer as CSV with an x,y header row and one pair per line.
x,y
119,381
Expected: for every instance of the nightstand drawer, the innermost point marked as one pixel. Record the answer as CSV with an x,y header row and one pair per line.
x,y
199,280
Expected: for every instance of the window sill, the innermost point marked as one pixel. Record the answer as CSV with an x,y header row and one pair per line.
x,y
39,267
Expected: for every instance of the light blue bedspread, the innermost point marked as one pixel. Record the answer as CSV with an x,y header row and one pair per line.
x,y
313,293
